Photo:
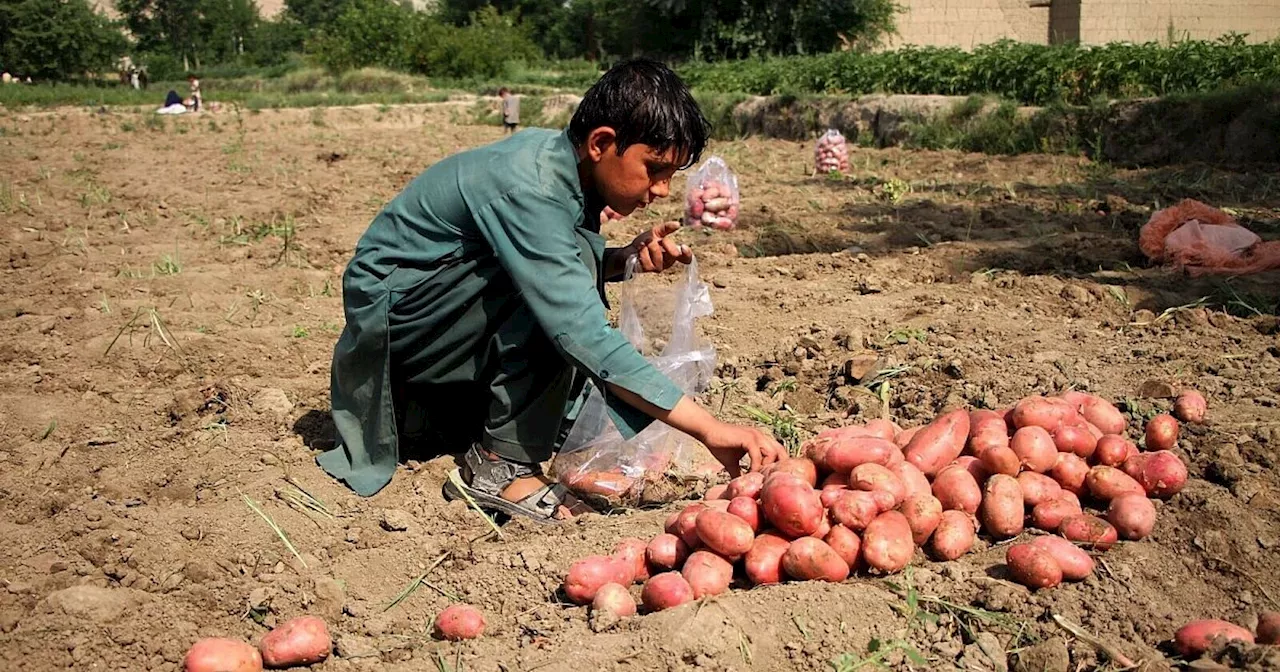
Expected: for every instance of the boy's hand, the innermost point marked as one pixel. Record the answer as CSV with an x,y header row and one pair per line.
x,y
656,252
728,443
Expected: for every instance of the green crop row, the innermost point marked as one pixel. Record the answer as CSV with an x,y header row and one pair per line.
x,y
1028,73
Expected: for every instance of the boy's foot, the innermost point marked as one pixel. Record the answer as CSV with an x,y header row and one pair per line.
x,y
512,488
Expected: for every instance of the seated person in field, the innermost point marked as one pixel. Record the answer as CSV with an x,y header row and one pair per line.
x,y
173,104
475,309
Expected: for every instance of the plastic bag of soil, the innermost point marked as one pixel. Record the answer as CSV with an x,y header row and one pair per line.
x,y
711,196
660,464
1205,240
831,153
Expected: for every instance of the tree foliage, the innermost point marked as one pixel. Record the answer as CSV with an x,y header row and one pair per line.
x,y
56,39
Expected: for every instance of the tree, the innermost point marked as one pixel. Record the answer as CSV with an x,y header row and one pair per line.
x,y
481,49
315,14
366,33
56,39
192,31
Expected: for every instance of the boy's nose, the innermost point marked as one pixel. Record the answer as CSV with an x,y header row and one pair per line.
x,y
660,189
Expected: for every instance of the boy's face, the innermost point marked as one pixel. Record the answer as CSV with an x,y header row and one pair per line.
x,y
633,179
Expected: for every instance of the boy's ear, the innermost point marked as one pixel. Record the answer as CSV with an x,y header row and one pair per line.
x,y
600,141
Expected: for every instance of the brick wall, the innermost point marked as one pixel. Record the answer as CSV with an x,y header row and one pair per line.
x,y
1103,21
968,23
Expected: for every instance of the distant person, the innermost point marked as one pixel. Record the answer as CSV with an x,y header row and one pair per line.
x,y
173,104
6,78
510,110
134,79
196,100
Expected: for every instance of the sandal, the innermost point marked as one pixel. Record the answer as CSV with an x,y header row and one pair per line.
x,y
484,480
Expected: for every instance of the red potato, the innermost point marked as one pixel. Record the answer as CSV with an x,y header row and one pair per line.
x,y
1190,407
884,500
613,599
846,455
1075,563
1001,460
974,466
687,524
764,561
981,416
296,642
724,533
707,573
721,505
939,443
801,467
988,437
1134,516
873,478
1197,637
216,654
823,528
1043,412
1269,627
1037,488
746,485
895,458
883,429
887,544
903,439
1070,472
1048,516
1071,497
1162,473
1002,507
923,513
632,550
717,492
956,489
1076,439
796,510
1033,566
1162,432
1098,412
1111,451
809,559
914,480
830,494
666,551
855,510
846,543
1091,532
746,509
1035,448
835,479
461,621
670,527
1106,483
954,535
587,575
665,591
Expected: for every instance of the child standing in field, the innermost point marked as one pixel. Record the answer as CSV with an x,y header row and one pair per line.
x,y
197,101
475,303
510,110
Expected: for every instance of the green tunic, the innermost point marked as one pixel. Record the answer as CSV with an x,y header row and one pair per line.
x,y
475,311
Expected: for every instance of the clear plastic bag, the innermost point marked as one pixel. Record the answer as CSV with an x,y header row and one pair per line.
x,y
711,196
831,153
659,464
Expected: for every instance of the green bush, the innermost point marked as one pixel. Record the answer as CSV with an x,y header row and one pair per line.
x,y
56,39
1027,73
481,49
367,33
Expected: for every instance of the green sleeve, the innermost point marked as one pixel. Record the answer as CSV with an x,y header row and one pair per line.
x,y
528,234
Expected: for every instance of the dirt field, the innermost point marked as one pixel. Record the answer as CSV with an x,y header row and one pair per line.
x,y
172,297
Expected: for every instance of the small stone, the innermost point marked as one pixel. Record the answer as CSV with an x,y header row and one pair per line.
x,y
58,566
351,646
1076,294
271,400
270,460
395,520
101,605
9,621
718,283
858,367
1157,389
260,597
1143,316
191,533
353,535
329,596
1050,655
200,571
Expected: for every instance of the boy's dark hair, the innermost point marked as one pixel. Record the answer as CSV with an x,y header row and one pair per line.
x,y
645,103
503,90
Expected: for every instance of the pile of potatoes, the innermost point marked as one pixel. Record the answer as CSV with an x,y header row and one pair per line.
x,y
712,203
865,497
831,153
295,643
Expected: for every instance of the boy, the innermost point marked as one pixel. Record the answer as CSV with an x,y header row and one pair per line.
x,y
197,102
475,305
510,110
